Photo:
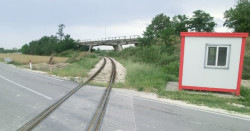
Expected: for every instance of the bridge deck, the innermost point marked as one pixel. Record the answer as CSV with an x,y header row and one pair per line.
x,y
121,40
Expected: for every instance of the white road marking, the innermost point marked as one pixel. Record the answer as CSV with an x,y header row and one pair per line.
x,y
40,94
192,108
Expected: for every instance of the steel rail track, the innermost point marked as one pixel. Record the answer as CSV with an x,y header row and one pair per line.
x,y
97,118
36,120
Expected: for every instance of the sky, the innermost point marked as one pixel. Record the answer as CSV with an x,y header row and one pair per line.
x,y
22,21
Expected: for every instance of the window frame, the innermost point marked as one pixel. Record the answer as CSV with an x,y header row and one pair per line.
x,y
228,46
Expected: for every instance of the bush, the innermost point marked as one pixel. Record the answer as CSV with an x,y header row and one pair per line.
x,y
172,68
246,68
245,92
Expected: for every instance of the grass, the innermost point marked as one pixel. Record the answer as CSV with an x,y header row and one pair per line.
x,y
78,68
150,78
213,101
69,53
81,62
24,59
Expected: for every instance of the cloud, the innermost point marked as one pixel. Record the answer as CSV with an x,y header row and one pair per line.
x,y
24,21
83,32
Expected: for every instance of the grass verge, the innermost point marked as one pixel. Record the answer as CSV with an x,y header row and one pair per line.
x,y
78,68
69,64
144,77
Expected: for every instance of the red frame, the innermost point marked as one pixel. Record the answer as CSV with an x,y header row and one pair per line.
x,y
209,34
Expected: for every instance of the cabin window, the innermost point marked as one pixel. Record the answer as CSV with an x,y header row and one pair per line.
x,y
217,56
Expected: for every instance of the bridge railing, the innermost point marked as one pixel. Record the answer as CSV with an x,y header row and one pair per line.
x,y
113,38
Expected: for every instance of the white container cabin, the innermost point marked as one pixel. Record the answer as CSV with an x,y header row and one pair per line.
x,y
211,61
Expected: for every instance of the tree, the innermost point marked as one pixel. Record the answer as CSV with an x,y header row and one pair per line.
x,y
158,24
160,32
1,50
201,22
168,39
60,31
154,30
238,18
180,24
25,49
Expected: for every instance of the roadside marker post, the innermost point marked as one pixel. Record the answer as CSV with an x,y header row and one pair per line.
x,y
30,65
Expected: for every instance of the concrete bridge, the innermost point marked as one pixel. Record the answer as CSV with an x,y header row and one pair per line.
x,y
116,42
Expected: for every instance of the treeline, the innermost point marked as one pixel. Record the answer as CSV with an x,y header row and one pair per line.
x,y
2,50
51,44
48,45
165,31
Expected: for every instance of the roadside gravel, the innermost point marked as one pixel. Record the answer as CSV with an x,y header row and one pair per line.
x,y
104,75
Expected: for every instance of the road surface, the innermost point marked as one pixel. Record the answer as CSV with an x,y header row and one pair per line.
x,y
25,94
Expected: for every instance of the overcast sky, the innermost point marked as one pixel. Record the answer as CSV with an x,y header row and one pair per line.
x,y
22,21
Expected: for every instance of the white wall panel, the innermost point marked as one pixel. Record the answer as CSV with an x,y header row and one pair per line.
x,y
194,72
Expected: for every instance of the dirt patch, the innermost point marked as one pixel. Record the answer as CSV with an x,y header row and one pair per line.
x,y
245,83
82,54
25,59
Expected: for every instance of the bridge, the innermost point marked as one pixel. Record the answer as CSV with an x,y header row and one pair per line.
x,y
116,42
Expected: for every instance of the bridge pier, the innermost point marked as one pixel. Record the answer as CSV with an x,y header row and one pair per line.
x,y
116,42
90,48
118,47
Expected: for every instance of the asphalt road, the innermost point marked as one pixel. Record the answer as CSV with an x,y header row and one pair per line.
x,y
143,114
24,94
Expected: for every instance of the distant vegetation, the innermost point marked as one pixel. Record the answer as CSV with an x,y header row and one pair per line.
x,y
14,50
51,44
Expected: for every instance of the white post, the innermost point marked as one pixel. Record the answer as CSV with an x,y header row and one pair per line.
x,y
30,65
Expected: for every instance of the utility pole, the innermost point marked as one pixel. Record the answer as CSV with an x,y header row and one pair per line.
x,y
105,32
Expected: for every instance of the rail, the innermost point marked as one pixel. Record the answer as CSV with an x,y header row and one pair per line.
x,y
97,118
36,120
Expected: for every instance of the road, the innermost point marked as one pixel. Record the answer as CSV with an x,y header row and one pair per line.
x,y
24,94
144,114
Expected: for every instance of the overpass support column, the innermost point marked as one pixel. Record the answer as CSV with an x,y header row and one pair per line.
x,y
90,48
118,47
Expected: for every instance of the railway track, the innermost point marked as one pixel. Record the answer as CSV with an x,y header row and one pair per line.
x,y
97,117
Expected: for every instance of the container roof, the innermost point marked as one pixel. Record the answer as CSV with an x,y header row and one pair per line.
x,y
213,34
